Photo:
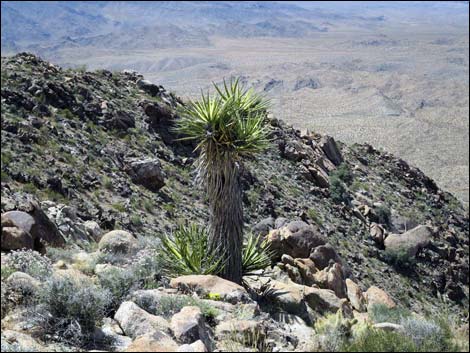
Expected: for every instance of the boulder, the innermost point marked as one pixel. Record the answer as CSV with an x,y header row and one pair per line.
x,y
188,325
375,295
204,285
135,321
147,172
153,342
323,255
290,298
293,150
119,120
14,238
296,330
21,287
410,242
197,346
325,301
158,115
118,241
19,340
111,332
35,223
377,233
263,227
307,270
329,146
93,229
355,296
149,87
331,278
296,239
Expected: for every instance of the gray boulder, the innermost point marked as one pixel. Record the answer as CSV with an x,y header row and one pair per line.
x,y
410,242
147,172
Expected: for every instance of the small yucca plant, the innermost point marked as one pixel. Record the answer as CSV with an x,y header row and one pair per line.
x,y
257,254
186,252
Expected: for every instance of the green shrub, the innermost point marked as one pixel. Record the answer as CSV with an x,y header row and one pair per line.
x,y
71,308
383,214
30,262
144,273
167,306
376,340
382,313
6,271
338,192
343,173
314,216
400,260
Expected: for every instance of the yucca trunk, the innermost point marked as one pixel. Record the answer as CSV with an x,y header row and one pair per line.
x,y
226,210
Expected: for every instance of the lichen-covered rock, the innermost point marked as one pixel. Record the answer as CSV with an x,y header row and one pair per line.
x,y
209,284
118,241
329,146
355,296
35,223
147,172
135,321
188,325
296,239
410,242
375,295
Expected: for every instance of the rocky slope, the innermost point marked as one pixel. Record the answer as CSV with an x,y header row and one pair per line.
x,y
85,153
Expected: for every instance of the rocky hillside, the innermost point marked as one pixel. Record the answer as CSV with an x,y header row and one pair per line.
x,y
87,153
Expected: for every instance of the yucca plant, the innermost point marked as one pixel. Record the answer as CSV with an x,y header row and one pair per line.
x,y
257,254
226,128
186,252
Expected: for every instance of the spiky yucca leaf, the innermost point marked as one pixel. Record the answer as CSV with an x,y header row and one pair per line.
x,y
257,254
187,252
233,121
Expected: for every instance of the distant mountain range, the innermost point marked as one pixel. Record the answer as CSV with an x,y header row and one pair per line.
x,y
47,26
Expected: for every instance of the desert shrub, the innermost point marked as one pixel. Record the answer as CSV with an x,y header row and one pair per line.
x,y
64,254
377,340
333,331
314,216
382,313
383,214
343,173
400,260
167,306
5,305
426,334
30,262
143,273
338,192
119,282
6,271
147,269
70,308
